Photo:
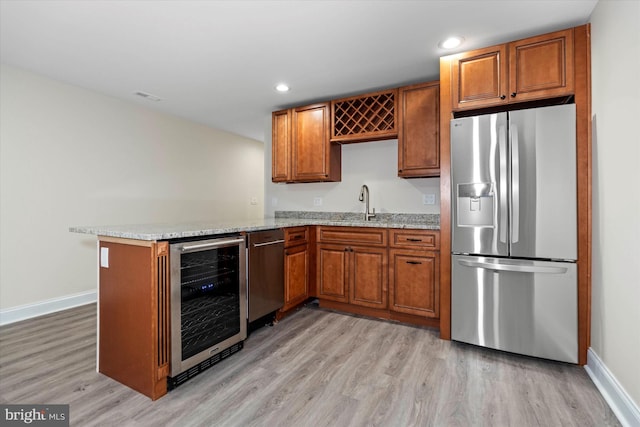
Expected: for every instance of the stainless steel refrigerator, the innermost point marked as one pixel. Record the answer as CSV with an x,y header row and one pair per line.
x,y
514,232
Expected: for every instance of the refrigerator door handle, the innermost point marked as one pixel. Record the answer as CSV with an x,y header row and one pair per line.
x,y
515,268
503,205
515,184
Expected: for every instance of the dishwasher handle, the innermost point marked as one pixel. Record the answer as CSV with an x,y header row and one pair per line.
x,y
273,242
515,268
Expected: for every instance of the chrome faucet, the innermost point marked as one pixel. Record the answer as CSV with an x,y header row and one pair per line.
x,y
364,197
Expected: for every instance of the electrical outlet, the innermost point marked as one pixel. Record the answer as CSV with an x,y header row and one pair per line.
x,y
428,199
254,200
274,201
317,201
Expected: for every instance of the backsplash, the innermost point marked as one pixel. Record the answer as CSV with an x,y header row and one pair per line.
x,y
406,218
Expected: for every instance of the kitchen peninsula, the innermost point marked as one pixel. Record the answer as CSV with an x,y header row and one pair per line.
x,y
386,268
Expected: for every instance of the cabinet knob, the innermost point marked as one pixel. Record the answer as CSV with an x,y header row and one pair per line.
x,y
513,94
503,96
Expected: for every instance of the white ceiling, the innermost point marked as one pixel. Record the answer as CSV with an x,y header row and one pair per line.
x,y
216,62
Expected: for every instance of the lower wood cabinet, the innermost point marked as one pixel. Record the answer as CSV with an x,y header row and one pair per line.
x,y
353,274
352,265
296,268
333,270
379,272
298,261
414,282
368,277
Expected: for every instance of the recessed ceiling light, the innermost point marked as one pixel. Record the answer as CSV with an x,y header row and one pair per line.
x,y
451,42
147,95
281,87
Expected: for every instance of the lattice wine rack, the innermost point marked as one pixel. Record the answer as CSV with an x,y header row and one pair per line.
x,y
365,117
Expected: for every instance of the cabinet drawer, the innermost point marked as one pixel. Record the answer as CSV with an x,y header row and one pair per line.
x,y
295,236
353,235
404,238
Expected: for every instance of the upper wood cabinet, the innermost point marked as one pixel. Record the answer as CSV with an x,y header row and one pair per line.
x,y
281,146
368,117
541,67
301,147
529,69
479,78
418,134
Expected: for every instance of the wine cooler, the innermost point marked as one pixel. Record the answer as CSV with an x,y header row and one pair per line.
x,y
208,304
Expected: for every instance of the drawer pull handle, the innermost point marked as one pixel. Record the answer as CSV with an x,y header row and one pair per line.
x,y
298,237
414,262
410,239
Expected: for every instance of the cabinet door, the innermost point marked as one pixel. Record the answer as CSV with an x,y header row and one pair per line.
x,y
296,267
368,280
541,67
333,271
414,282
314,158
281,146
418,137
479,78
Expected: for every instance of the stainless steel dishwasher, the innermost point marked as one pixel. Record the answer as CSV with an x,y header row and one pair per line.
x,y
265,273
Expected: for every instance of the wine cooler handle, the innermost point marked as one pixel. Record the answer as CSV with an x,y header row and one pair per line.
x,y
213,245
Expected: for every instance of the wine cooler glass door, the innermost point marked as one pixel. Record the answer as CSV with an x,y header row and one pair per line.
x,y
208,297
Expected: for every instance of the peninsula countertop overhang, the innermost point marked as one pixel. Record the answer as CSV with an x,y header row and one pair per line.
x,y
168,231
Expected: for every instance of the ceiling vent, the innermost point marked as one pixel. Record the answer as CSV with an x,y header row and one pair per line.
x,y
147,95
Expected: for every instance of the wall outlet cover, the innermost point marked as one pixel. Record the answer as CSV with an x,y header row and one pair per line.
x,y
428,199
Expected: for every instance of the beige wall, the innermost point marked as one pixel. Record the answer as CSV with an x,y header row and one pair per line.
x,y
70,156
615,48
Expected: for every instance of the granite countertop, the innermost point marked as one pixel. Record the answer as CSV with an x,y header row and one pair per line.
x,y
283,219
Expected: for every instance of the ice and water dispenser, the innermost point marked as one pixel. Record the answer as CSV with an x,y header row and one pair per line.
x,y
475,204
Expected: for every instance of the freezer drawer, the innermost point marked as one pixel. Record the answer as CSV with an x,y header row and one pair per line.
x,y
521,306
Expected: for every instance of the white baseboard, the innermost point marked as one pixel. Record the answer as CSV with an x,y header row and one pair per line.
x,y
626,410
28,311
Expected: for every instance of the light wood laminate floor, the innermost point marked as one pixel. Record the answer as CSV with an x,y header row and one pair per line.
x,y
314,368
